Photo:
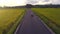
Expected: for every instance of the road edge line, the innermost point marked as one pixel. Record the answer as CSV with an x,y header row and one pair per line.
x,y
47,27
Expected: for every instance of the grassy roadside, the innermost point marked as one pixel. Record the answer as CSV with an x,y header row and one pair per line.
x,y
50,16
12,30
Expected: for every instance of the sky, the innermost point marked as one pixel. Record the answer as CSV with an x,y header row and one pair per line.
x,y
24,2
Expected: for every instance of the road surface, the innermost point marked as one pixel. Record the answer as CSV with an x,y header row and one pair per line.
x,y
31,24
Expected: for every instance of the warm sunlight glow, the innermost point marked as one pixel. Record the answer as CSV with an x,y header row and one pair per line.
x,y
24,2
12,2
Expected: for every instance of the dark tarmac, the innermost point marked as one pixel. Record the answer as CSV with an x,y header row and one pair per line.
x,y
31,24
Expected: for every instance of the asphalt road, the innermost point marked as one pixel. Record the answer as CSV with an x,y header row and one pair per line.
x,y
31,24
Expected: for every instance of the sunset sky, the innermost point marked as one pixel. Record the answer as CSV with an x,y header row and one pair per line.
x,y
24,2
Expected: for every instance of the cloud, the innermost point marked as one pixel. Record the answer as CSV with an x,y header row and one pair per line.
x,y
55,1
12,2
38,2
23,2
46,0
43,1
32,1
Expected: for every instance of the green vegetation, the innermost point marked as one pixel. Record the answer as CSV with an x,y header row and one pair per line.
x,y
51,16
9,19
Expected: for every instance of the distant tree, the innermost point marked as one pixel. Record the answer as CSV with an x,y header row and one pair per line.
x,y
29,5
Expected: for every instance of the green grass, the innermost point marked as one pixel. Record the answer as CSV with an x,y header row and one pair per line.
x,y
9,19
51,16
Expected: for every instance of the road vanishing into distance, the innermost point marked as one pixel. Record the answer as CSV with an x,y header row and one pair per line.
x,y
31,24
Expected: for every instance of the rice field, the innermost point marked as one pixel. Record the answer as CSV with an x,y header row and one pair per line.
x,y
50,16
9,19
